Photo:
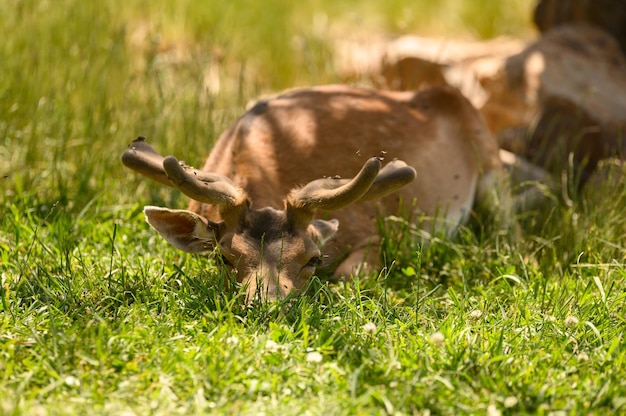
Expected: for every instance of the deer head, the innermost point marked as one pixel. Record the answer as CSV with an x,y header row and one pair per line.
x,y
272,252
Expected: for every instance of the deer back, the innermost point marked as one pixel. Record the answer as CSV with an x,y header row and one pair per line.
x,y
289,140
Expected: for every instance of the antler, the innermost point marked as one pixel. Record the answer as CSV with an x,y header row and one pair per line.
x,y
371,182
325,194
392,177
141,157
202,186
210,188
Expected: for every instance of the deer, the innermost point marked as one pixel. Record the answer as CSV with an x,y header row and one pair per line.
x,y
266,194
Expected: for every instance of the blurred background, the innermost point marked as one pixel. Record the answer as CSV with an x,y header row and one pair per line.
x,y
81,79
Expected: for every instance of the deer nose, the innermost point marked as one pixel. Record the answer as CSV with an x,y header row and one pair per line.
x,y
275,286
264,284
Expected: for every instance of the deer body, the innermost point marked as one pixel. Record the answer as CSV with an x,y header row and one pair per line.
x,y
294,139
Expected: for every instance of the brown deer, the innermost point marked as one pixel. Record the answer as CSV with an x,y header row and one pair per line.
x,y
249,200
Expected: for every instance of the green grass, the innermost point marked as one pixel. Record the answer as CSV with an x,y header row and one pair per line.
x,y
98,315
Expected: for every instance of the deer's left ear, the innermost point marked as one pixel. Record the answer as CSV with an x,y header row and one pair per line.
x,y
321,231
183,229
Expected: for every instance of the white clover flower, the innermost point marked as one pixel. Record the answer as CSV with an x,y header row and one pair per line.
x,y
571,321
510,401
72,381
476,314
437,338
370,328
582,356
271,346
314,357
492,410
232,341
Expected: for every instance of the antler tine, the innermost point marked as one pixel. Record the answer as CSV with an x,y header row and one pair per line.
x,y
331,193
202,186
142,158
392,177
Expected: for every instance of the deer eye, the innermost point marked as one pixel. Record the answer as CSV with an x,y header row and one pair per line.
x,y
314,261
224,260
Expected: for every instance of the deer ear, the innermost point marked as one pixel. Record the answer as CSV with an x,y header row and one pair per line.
x,y
183,229
321,231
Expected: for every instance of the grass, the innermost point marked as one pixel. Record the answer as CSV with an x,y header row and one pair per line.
x,y
99,315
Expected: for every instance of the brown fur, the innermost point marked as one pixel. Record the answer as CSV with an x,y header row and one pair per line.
x,y
261,184
305,134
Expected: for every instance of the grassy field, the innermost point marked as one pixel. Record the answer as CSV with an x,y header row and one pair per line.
x,y
99,316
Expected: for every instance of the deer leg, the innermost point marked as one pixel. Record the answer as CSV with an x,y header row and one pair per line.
x,y
363,259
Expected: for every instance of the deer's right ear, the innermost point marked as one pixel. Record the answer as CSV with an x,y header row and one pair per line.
x,y
321,231
183,229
